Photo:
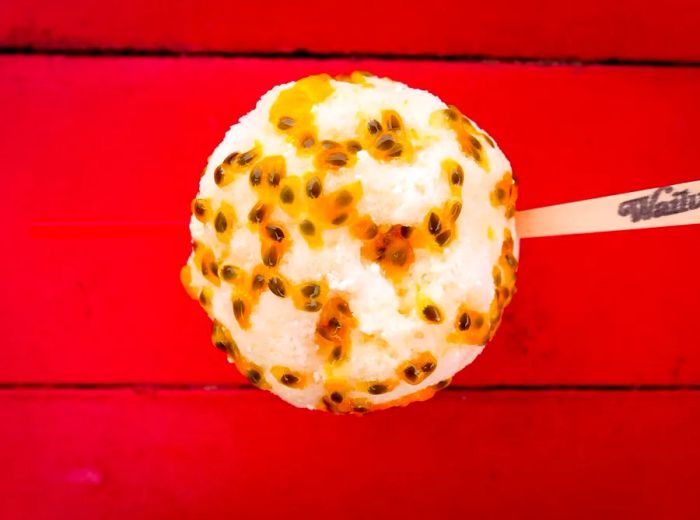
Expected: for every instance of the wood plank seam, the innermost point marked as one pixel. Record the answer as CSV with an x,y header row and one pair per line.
x,y
111,52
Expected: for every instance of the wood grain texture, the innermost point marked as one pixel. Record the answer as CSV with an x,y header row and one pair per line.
x,y
243,454
593,30
101,158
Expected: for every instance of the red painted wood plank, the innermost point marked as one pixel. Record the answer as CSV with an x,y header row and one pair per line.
x,y
122,141
462,455
597,29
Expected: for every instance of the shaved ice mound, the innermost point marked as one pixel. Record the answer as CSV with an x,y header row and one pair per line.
x,y
353,243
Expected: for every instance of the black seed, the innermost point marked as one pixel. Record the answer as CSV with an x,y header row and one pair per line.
x,y
432,313
353,146
287,195
238,309
397,151
378,389
441,384
434,225
270,259
337,397
307,227
457,176
218,175
443,237
222,345
344,309
374,126
257,214
450,114
214,269
478,322
256,176
334,323
455,210
339,219
277,287
228,272
411,373
285,123
372,231
220,223
393,124
337,159
258,282
385,142
246,158
199,208
464,321
398,257
314,187
289,379
344,198
312,306
254,376
275,232
337,353
231,157
406,231
428,367
273,178
475,142
308,142
311,291
203,298
500,193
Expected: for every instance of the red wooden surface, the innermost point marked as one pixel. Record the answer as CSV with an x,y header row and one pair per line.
x,y
596,29
243,454
121,141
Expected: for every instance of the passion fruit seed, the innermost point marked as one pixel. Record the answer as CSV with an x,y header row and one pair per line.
x,y
378,389
273,178
311,291
398,150
257,214
230,158
443,237
336,397
337,221
287,195
434,225
464,321
258,282
328,144
308,142
289,379
337,353
277,287
285,123
393,124
343,199
455,210
246,158
457,176
475,142
432,313
200,208
254,376
385,142
238,309
353,146
218,175
307,227
344,308
338,159
271,257
374,126
275,232
406,231
428,367
441,384
312,306
220,223
256,176
399,257
228,273
314,187
411,373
